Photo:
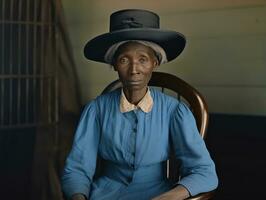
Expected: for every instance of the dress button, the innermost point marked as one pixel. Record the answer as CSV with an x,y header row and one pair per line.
x,y
129,179
131,166
136,121
134,130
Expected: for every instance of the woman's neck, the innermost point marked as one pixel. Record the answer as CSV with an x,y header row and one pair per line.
x,y
134,96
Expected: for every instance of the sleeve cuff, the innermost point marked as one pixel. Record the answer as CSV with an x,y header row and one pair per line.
x,y
76,188
196,187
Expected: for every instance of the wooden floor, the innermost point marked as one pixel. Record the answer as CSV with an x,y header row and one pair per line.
x,y
237,144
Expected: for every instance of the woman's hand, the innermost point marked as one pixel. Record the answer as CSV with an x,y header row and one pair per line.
x,y
78,197
177,193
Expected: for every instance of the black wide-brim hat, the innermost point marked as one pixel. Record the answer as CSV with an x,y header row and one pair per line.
x,y
134,24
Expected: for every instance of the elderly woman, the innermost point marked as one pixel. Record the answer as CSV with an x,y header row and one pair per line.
x,y
132,128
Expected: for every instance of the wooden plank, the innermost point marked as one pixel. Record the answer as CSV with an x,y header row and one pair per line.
x,y
217,23
235,100
251,72
100,10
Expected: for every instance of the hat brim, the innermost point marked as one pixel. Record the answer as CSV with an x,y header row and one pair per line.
x,y
172,42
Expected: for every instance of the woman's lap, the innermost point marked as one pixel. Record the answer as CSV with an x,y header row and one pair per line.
x,y
105,188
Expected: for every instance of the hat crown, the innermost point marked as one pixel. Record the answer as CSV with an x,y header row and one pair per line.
x,y
135,24
133,18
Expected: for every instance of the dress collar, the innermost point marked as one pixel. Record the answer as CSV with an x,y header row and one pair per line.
x,y
145,103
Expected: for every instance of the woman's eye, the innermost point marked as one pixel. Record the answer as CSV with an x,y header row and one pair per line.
x,y
143,60
123,60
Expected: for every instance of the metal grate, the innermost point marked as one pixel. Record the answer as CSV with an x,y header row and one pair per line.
x,y
28,64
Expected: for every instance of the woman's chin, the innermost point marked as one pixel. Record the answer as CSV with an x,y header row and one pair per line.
x,y
135,86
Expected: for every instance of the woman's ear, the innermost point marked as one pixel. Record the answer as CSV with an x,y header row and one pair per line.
x,y
155,63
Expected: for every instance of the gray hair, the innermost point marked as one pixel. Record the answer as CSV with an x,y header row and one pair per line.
x,y
159,51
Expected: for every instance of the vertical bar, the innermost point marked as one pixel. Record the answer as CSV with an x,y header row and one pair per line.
x,y
27,63
178,96
2,66
3,33
19,63
41,56
56,8
34,110
49,98
11,65
50,57
162,89
167,168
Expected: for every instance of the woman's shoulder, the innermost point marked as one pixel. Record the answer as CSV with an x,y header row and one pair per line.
x,y
108,96
104,98
103,103
172,103
162,97
108,100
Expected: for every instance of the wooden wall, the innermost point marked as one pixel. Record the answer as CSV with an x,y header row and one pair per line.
x,y
224,57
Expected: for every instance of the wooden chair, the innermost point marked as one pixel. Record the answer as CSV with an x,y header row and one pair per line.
x,y
193,99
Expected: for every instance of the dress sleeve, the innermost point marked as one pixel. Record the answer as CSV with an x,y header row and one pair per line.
x,y
81,161
197,168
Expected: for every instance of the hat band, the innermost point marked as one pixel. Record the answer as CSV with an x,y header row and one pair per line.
x,y
127,23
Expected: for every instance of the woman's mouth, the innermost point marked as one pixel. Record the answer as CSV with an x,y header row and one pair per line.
x,y
134,82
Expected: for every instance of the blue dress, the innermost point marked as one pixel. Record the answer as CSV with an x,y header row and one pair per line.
x,y
134,146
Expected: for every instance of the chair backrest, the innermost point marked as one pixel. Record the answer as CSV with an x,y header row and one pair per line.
x,y
184,92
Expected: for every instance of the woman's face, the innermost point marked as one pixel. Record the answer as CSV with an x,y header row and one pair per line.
x,y
134,63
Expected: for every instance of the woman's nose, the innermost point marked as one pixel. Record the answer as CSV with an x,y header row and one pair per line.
x,y
134,67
